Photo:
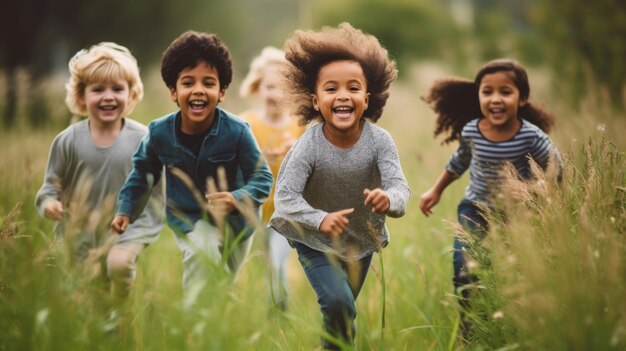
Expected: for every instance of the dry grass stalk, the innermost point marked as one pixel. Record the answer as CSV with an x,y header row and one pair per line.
x,y
10,225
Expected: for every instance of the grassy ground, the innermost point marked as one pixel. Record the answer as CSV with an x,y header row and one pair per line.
x,y
553,276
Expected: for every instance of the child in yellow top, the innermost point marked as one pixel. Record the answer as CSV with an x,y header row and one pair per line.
x,y
276,132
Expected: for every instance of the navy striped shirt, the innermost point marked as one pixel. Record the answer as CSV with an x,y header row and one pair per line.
x,y
485,159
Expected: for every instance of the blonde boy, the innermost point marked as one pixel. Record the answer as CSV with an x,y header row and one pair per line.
x,y
90,160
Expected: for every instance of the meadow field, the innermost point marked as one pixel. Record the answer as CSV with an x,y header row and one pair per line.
x,y
553,276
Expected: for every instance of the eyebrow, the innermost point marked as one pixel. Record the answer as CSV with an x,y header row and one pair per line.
x,y
349,81
193,77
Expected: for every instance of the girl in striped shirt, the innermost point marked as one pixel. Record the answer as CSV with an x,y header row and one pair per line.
x,y
495,124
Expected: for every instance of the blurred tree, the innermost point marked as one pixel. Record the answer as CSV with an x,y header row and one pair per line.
x,y
16,34
409,29
586,44
505,29
36,36
40,36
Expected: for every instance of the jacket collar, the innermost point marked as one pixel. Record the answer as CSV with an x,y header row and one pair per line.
x,y
215,127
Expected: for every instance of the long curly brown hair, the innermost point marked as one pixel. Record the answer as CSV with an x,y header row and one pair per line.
x,y
455,100
308,51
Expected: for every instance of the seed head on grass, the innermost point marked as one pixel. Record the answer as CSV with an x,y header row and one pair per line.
x,y
9,230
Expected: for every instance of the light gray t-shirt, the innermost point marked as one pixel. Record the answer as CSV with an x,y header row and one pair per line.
x,y
317,178
87,179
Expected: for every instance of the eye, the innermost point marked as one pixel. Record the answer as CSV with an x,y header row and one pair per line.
x,y
330,89
96,88
210,83
186,83
355,88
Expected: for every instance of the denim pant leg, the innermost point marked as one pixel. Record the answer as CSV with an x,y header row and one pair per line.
x,y
471,218
337,284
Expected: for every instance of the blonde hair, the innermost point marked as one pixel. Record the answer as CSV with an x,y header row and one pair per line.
x,y
103,62
260,68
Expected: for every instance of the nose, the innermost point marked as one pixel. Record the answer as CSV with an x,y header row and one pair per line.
x,y
496,97
108,94
343,95
197,89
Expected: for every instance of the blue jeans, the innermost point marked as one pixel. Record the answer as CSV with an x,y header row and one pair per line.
x,y
337,284
472,219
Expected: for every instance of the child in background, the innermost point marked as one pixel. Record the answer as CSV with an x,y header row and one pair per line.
x,y
342,177
276,131
196,143
495,124
90,160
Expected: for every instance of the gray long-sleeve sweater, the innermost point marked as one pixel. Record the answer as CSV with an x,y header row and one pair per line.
x,y
317,178
87,179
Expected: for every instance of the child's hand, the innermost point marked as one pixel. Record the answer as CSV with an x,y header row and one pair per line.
x,y
428,200
120,223
336,223
378,199
54,210
221,204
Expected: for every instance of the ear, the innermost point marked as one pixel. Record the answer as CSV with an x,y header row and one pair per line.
x,y
81,101
523,102
314,101
222,95
173,95
367,100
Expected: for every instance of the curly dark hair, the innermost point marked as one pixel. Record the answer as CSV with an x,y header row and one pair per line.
x,y
192,48
308,51
455,100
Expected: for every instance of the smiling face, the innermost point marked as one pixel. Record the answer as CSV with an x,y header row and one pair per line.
x,y
197,93
341,95
270,95
499,99
106,102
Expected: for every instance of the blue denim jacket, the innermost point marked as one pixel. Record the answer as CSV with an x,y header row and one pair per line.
x,y
229,144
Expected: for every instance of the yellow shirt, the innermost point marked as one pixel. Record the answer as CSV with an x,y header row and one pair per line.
x,y
274,139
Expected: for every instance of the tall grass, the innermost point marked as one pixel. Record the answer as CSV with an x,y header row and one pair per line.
x,y
554,270
553,273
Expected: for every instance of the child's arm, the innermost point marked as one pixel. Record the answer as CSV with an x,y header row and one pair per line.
x,y
120,223
458,164
53,209
543,151
48,198
256,173
430,198
378,199
336,223
135,192
395,193
289,201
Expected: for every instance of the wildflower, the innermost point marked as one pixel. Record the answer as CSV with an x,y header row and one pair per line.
x,y
497,315
601,127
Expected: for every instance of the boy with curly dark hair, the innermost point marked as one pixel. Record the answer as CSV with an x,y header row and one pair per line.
x,y
200,145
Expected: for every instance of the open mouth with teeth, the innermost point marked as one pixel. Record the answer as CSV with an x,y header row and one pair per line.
x,y
343,112
107,107
497,111
197,104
